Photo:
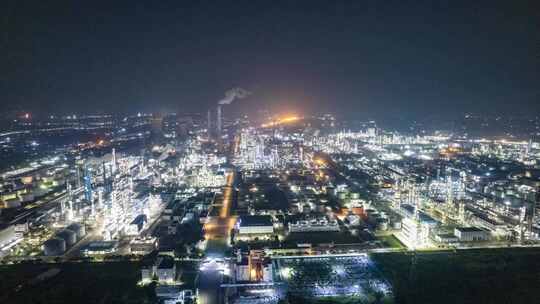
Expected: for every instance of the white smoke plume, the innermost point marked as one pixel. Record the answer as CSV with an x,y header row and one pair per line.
x,y
232,94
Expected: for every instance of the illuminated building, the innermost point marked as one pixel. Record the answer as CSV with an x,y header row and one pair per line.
x,y
314,225
416,227
8,239
256,224
471,234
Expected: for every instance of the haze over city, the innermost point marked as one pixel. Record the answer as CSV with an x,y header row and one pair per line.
x,y
373,57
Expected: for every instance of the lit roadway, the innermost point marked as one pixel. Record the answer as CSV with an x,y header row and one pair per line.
x,y
217,234
218,228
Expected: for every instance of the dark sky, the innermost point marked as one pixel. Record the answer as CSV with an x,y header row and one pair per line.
x,y
354,57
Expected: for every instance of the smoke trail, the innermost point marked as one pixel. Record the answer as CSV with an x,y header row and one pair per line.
x,y
232,94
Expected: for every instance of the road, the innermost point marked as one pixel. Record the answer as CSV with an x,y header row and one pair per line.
x,y
208,283
227,196
218,228
217,234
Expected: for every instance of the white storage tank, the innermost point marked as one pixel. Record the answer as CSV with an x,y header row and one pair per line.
x,y
69,236
79,230
54,247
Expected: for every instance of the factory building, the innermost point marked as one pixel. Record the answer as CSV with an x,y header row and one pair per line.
x,y
143,245
415,232
315,225
255,224
242,272
255,267
164,270
471,234
8,239
100,248
486,222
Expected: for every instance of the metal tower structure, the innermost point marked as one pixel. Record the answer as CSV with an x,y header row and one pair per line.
x,y
87,184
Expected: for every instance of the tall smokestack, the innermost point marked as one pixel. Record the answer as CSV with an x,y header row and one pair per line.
x,y
113,160
209,123
219,120
230,96
534,210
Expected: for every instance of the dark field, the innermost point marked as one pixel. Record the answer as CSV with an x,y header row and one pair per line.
x,y
494,276
467,276
75,283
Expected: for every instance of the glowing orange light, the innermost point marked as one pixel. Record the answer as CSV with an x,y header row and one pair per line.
x,y
319,161
289,119
283,120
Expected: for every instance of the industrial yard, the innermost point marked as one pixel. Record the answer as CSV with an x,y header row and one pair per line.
x,y
278,211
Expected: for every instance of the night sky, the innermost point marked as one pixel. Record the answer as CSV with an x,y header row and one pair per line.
x,y
349,57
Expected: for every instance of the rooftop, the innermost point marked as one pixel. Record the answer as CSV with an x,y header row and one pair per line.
x,y
255,220
101,245
469,229
165,263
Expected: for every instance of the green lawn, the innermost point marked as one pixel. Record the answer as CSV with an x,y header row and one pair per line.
x,y
342,237
334,300
391,241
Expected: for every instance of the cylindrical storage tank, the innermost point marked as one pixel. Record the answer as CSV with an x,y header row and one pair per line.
x,y
79,230
69,236
54,246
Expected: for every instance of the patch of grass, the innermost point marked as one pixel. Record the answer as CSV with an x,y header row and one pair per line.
x,y
391,241
342,237
336,300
